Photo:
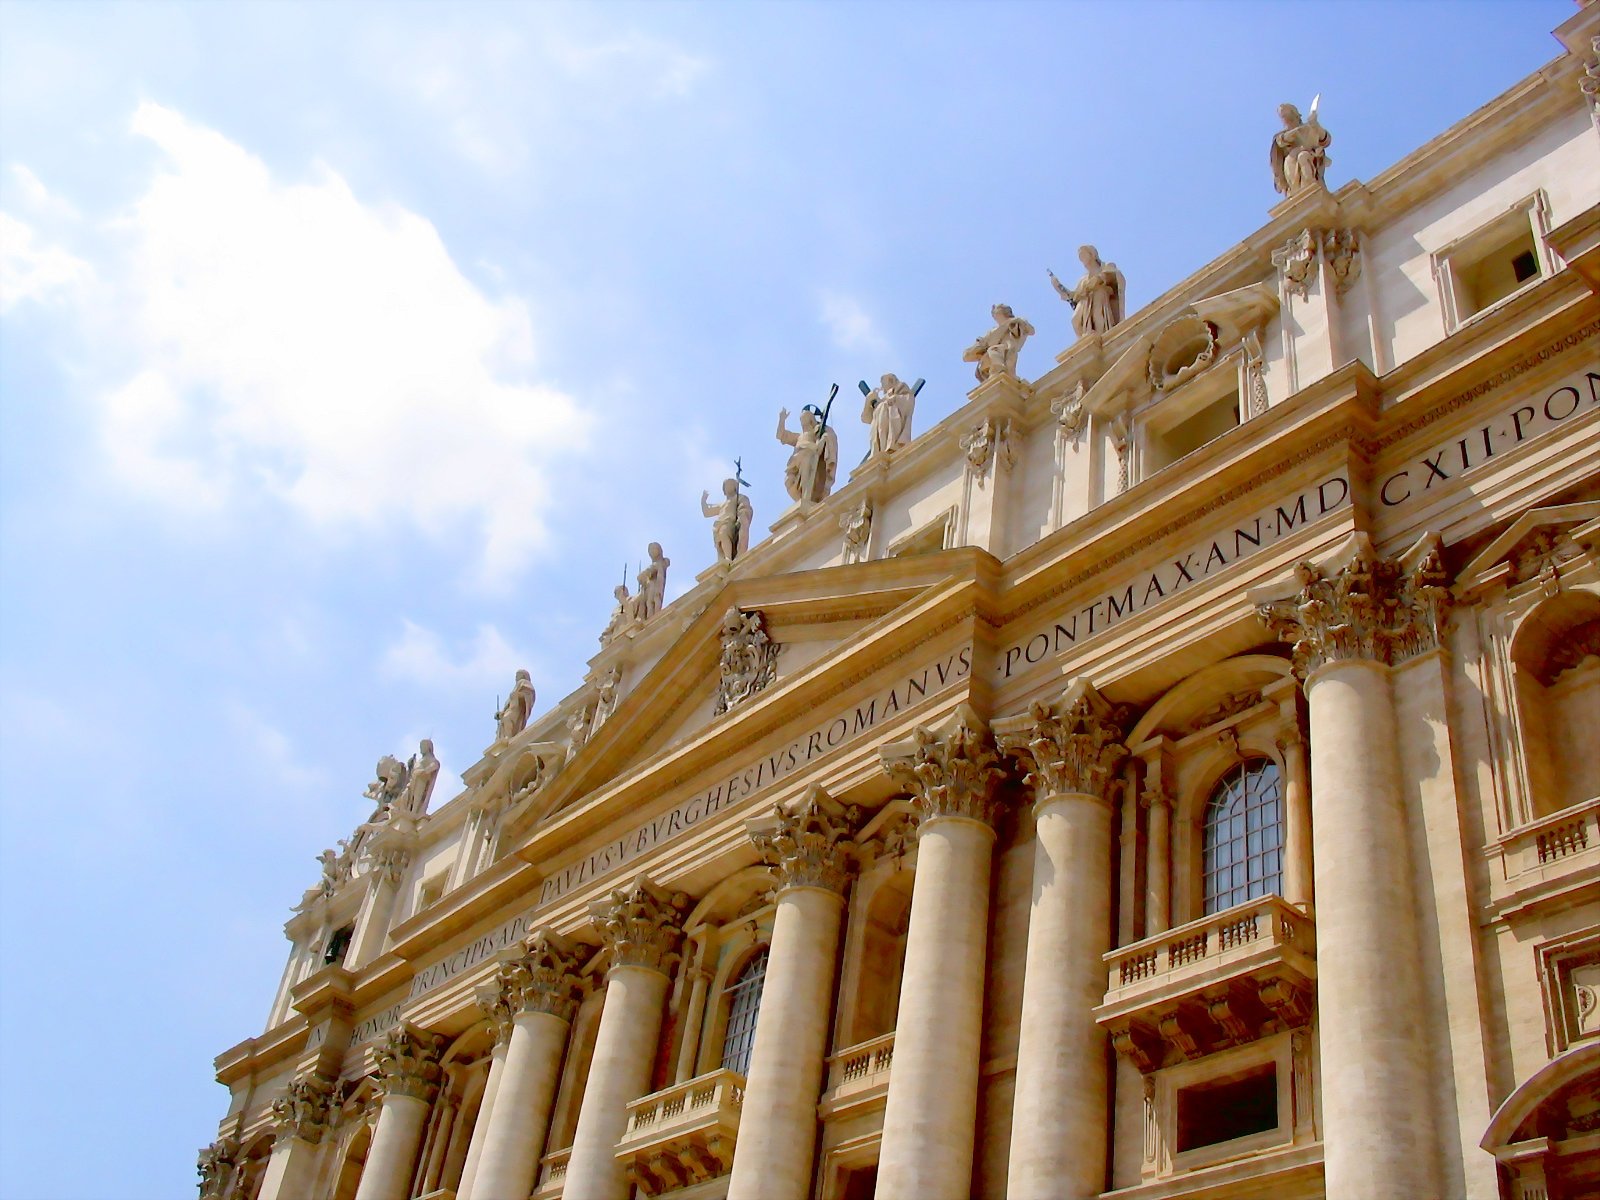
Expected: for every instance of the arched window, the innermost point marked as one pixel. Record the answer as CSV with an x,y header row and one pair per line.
x,y
1244,836
744,1006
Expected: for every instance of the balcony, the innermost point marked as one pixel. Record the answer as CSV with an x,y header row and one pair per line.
x,y
683,1135
859,1075
1547,856
1221,981
552,1174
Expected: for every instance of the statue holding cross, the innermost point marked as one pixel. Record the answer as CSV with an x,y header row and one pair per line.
x,y
730,520
815,461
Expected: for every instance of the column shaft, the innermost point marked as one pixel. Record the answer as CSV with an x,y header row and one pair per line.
x,y
931,1113
1058,1124
291,1169
1378,1139
624,1051
1158,869
778,1125
521,1115
1297,860
480,1126
395,1142
689,1051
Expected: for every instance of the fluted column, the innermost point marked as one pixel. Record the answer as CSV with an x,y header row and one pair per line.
x,y
1347,629
493,1005
300,1118
541,989
811,848
931,1112
1059,1114
639,925
408,1077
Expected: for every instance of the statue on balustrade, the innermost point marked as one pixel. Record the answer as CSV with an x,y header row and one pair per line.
x,y
1097,298
512,718
730,520
809,475
652,585
996,351
1299,151
421,774
887,411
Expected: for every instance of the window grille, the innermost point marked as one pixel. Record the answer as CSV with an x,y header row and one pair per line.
x,y
1244,836
744,1006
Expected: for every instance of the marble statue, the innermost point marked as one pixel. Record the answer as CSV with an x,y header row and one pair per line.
x,y
513,716
857,526
423,773
652,584
1097,298
887,411
1299,151
996,351
387,787
605,696
621,616
808,477
332,873
731,521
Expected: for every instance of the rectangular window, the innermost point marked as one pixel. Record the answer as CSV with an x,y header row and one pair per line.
x,y
1225,1110
1494,262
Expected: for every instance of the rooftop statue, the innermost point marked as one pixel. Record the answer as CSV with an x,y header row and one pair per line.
x,y
1299,151
513,716
996,351
387,787
808,477
621,616
1097,298
730,520
652,584
422,774
887,412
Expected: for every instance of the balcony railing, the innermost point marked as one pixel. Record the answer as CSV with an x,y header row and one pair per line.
x,y
552,1174
1563,844
684,1134
1219,981
859,1074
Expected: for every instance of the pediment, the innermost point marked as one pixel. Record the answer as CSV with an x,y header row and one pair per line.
x,y
1537,540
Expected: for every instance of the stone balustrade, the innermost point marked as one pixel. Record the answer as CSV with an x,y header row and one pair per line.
x,y
552,1174
859,1074
684,1134
1559,849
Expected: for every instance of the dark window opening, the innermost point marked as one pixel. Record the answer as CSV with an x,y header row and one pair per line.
x,y
1524,266
1211,1113
859,1183
337,945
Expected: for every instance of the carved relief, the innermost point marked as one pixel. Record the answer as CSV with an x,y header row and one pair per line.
x,y
1255,375
857,526
216,1166
749,658
1295,262
1589,84
987,440
1230,706
545,979
811,843
952,773
639,925
1069,412
305,1109
1386,610
1341,250
1071,747
406,1063
1183,347
1121,445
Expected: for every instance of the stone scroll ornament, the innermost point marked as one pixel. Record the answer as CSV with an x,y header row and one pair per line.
x,y
640,925
951,772
406,1063
1071,747
305,1110
810,843
749,659
1382,609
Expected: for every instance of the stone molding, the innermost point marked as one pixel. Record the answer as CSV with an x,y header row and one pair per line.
x,y
1072,747
406,1063
810,844
305,1110
216,1167
1382,610
949,773
545,979
639,925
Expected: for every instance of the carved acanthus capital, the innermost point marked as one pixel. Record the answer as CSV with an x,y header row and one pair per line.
x,y
1382,609
305,1110
1071,747
407,1062
810,843
216,1167
547,977
949,773
493,1004
639,924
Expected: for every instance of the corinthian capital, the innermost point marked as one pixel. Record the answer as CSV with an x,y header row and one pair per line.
x,y
306,1107
545,979
810,843
492,1003
407,1062
216,1167
949,773
1382,609
639,924
1070,747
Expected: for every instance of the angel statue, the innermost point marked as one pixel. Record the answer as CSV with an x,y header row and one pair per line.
x,y
996,351
1096,299
512,718
887,411
1299,151
815,460
731,521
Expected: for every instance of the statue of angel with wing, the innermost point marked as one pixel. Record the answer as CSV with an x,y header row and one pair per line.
x,y
1299,150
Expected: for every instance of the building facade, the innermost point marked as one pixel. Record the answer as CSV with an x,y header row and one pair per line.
x,y
1171,776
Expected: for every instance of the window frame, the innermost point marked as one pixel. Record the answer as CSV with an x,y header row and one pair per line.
x,y
1450,260
1211,794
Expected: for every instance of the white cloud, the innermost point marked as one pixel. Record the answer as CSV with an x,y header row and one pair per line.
x,y
849,324
421,656
269,750
32,270
293,341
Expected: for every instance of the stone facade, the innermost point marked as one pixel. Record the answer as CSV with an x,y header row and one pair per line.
x,y
1177,781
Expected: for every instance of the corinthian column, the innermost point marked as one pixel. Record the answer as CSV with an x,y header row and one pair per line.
x,y
811,848
493,1005
1348,628
638,925
217,1166
541,989
931,1113
300,1117
408,1076
1059,1114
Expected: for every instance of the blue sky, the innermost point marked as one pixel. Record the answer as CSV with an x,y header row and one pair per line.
x,y
349,351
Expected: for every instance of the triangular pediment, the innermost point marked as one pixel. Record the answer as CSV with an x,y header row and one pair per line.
x,y
1538,539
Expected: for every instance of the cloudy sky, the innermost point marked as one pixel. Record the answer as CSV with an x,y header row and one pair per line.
x,y
348,352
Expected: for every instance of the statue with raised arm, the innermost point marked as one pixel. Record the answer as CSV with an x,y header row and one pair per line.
x,y
1299,151
808,477
513,716
652,584
886,410
1096,299
424,772
621,616
996,351
730,521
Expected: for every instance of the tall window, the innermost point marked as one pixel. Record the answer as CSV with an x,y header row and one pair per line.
x,y
1244,836
744,1006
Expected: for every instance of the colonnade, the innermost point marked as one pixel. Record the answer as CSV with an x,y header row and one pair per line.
x,y
1348,629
